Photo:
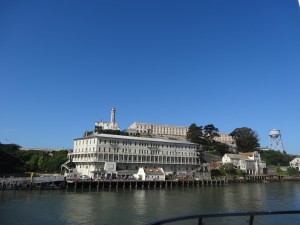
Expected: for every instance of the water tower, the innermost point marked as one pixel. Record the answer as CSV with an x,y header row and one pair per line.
x,y
275,140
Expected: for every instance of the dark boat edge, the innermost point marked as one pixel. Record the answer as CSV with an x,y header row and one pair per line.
x,y
200,217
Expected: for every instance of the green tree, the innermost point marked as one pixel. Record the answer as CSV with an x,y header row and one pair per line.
x,y
32,164
221,148
56,160
246,139
100,130
210,132
228,169
12,159
41,163
276,158
292,171
204,137
195,134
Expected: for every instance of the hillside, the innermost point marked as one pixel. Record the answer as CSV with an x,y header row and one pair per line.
x,y
9,163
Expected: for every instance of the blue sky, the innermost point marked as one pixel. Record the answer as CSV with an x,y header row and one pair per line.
x,y
65,64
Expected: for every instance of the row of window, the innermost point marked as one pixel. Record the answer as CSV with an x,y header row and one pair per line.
x,y
162,128
133,151
175,168
135,143
131,158
161,132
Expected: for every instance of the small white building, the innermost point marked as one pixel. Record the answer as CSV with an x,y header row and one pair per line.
x,y
233,158
295,163
249,162
150,174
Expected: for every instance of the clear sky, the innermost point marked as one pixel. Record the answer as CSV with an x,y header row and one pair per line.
x,y
65,64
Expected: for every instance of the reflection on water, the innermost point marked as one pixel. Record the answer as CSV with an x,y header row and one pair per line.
x,y
139,203
136,207
78,208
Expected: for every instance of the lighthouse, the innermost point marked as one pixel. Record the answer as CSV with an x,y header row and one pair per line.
x,y
112,125
113,116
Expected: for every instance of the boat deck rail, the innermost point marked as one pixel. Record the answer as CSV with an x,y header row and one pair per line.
x,y
200,217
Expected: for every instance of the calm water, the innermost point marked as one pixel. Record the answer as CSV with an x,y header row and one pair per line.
x,y
141,206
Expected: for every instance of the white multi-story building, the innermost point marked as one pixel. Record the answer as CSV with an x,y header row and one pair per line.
x,y
158,130
100,153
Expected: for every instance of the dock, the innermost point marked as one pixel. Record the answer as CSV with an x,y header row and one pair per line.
x,y
60,182
74,185
139,184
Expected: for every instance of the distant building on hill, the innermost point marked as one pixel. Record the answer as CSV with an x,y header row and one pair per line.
x,y
39,149
167,131
112,125
172,132
226,139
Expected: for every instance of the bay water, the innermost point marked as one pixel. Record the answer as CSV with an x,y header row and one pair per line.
x,y
137,207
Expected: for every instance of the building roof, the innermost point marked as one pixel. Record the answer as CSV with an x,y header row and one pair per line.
x,y
135,138
39,149
249,154
296,159
237,156
153,171
163,125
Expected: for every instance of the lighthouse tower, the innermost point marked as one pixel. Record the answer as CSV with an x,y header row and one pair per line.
x,y
113,115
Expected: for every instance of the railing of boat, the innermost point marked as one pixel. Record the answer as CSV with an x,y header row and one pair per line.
x,y
200,217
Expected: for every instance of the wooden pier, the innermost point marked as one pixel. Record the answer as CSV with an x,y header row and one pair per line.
x,y
138,184
98,185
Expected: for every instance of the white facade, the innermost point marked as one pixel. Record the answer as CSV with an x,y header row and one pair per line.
x,y
112,125
295,163
233,158
150,174
107,125
249,162
158,130
92,153
226,139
